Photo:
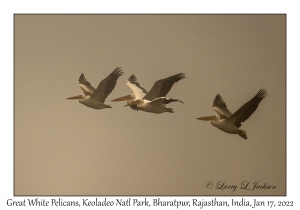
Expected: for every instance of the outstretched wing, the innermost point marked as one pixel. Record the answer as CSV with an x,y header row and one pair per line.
x,y
243,113
220,107
107,85
163,86
137,89
86,87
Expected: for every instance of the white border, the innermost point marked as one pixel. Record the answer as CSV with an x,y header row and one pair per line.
x,y
9,8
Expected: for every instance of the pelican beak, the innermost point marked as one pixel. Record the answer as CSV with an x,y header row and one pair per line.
x,y
134,103
123,98
213,117
75,97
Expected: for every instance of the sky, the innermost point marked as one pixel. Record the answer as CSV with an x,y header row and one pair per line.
x,y
62,147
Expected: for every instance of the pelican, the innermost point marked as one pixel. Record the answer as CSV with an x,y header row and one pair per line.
x,y
153,101
230,123
94,98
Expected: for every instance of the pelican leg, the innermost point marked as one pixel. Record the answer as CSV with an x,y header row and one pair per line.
x,y
107,106
169,110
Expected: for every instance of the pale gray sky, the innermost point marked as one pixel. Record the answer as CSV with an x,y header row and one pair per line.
x,y
65,148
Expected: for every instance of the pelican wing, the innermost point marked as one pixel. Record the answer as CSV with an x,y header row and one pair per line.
x,y
86,87
220,107
138,91
164,100
107,85
160,100
243,113
163,86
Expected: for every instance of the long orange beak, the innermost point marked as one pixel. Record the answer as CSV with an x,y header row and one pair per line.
x,y
123,98
207,118
76,97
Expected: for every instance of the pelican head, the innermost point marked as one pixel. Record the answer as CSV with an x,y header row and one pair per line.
x,y
76,97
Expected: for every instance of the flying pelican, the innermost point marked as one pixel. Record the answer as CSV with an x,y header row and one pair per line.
x,y
94,98
154,101
230,123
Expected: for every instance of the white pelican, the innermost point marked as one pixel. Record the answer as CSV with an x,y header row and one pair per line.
x,y
154,101
230,123
94,98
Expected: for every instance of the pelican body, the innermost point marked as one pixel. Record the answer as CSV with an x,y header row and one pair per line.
x,y
153,101
94,98
231,123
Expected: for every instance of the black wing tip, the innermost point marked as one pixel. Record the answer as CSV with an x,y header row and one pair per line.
x,y
81,76
118,72
219,98
180,75
219,101
132,78
262,93
82,79
177,77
